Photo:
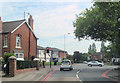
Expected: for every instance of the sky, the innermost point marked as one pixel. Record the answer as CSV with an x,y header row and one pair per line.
x,y
52,20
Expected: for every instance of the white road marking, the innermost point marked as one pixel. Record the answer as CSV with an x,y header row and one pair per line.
x,y
78,76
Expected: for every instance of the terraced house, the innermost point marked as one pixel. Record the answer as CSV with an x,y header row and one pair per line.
x,y
18,38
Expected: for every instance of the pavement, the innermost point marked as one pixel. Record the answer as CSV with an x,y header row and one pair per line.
x,y
30,76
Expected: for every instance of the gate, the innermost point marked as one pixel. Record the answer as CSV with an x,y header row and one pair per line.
x,y
6,68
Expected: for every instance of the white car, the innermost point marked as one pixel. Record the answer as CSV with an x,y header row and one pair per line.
x,y
85,62
66,64
95,63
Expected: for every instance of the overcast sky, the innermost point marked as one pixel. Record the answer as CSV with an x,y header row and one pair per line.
x,y
52,20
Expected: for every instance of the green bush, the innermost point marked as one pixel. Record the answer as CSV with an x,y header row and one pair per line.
x,y
25,64
6,56
64,59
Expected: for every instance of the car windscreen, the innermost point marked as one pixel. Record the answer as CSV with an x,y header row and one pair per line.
x,y
65,62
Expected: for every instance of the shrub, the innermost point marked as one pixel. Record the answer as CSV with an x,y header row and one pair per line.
x,y
25,64
64,59
6,56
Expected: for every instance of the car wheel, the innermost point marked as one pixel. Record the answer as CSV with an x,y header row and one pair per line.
x,y
71,69
90,65
100,65
61,69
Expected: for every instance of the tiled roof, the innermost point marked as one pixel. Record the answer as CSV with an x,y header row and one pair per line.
x,y
40,48
10,26
51,49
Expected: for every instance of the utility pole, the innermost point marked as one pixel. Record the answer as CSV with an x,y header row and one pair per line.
x,y
65,41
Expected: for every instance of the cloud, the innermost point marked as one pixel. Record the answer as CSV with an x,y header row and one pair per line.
x,y
51,22
42,0
55,22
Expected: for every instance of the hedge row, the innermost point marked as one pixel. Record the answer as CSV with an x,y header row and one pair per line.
x,y
25,64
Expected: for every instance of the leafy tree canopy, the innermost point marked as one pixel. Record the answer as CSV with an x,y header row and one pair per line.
x,y
99,22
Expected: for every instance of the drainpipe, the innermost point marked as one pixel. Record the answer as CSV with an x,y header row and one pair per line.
x,y
29,46
9,42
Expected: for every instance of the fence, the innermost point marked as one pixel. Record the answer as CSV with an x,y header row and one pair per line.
x,y
6,68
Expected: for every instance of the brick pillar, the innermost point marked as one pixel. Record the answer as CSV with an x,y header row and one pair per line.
x,y
12,66
37,63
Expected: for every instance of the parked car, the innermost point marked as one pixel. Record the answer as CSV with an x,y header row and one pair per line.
x,y
66,64
85,62
95,63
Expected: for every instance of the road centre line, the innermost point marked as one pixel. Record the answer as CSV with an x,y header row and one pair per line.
x,y
78,76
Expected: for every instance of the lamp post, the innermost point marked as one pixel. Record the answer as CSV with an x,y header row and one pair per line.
x,y
64,41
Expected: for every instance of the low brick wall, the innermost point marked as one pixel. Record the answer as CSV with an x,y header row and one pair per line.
x,y
13,70
24,70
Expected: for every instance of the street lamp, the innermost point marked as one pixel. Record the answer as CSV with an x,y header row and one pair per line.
x,y
64,40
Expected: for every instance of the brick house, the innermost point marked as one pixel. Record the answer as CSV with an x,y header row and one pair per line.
x,y
98,56
58,54
18,38
55,52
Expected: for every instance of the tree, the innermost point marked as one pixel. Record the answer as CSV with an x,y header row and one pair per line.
x,y
84,56
92,49
103,47
77,56
99,23
6,56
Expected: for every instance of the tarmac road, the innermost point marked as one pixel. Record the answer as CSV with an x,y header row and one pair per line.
x,y
83,74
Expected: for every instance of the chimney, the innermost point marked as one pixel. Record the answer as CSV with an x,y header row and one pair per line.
x,y
0,25
30,21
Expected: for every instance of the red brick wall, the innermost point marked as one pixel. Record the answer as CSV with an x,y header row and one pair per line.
x,y
0,45
24,32
6,49
62,55
24,70
97,57
33,45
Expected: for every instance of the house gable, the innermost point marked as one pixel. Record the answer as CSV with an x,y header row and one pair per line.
x,y
21,25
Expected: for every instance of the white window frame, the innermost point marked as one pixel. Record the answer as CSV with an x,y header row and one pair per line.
x,y
19,57
18,38
5,41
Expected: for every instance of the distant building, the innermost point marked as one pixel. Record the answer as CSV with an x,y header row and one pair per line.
x,y
18,38
98,56
54,54
41,54
58,54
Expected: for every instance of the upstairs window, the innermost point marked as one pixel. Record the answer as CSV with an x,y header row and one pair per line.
x,y
18,41
5,41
